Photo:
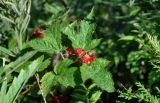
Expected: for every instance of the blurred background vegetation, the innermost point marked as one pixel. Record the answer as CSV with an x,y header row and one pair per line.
x,y
123,26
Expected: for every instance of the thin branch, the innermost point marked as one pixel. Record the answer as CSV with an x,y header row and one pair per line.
x,y
4,60
8,19
37,78
62,55
55,59
27,90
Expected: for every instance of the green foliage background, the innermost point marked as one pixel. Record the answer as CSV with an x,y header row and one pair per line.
x,y
128,33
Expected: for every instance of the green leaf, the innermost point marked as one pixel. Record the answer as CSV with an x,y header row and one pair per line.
x,y
94,43
19,82
87,27
51,43
24,65
44,64
95,67
127,38
72,35
6,51
95,96
104,80
153,77
61,65
134,11
17,63
79,94
65,75
80,102
48,81
82,38
3,91
96,71
54,8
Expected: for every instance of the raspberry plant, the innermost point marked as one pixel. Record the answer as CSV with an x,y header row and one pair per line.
x,y
80,68
63,72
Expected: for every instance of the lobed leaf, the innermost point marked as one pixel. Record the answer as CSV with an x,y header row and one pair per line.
x,y
65,75
7,51
83,37
17,63
3,91
44,64
19,82
47,82
96,71
51,43
95,96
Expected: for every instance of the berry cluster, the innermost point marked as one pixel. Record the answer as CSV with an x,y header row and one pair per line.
x,y
84,57
38,32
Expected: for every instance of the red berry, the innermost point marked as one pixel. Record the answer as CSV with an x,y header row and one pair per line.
x,y
41,35
37,31
79,51
93,57
86,59
34,33
70,50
